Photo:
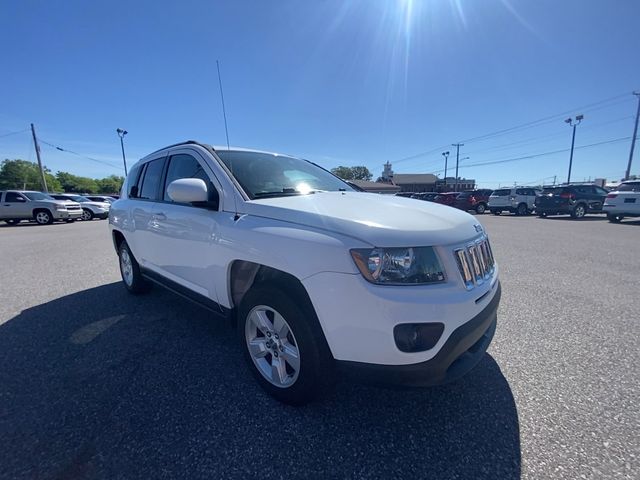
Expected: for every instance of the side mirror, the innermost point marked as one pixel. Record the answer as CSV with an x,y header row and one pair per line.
x,y
188,190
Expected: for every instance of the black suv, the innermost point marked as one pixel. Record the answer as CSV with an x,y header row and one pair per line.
x,y
574,200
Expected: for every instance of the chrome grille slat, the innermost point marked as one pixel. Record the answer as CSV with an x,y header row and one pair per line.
x,y
475,262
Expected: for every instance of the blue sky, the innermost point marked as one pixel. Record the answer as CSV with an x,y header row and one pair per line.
x,y
338,82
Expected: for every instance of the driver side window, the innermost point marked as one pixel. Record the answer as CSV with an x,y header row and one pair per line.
x,y
186,166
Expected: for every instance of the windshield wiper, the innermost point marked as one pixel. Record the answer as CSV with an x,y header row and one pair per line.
x,y
281,193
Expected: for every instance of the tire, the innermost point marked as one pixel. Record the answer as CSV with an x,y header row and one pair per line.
x,y
579,211
43,217
522,210
87,214
130,271
70,220
265,313
614,217
496,212
481,208
13,221
542,214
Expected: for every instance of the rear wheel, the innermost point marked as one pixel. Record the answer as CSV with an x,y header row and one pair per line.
x,y
12,221
542,214
281,346
578,211
614,217
43,217
496,212
481,208
130,271
522,210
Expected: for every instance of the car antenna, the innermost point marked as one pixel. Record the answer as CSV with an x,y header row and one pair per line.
x,y
224,112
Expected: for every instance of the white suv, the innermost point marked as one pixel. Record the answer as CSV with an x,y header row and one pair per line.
x,y
518,200
90,209
317,276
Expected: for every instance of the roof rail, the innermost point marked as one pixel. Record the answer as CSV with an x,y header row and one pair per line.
x,y
186,142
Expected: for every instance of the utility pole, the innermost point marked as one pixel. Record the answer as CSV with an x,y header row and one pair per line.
x,y
121,133
633,139
574,124
457,145
446,157
35,144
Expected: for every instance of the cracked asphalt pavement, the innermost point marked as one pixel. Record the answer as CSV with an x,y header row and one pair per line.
x,y
97,383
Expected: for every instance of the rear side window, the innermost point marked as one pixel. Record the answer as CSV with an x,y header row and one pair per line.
x,y
150,182
502,192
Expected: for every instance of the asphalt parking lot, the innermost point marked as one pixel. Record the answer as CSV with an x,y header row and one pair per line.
x,y
96,383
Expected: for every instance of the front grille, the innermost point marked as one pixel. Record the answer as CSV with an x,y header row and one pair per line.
x,y
475,262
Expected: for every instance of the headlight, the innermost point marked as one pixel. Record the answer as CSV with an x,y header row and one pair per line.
x,y
399,266
61,207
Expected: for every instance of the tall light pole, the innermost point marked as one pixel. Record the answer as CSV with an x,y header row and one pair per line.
x,y
446,157
121,133
457,145
633,139
572,123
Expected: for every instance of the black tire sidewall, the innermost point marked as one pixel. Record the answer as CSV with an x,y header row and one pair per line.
x,y
89,214
139,284
315,368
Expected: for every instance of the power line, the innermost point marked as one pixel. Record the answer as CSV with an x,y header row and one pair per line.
x,y
81,155
14,133
536,155
534,123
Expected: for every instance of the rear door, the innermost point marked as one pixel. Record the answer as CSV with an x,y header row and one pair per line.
x,y
145,192
500,198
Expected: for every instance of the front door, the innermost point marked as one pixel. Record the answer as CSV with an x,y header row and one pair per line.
x,y
15,205
184,236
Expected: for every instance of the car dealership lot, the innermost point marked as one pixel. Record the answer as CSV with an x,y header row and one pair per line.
x,y
96,383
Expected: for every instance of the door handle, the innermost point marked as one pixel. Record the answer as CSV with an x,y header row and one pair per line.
x,y
159,216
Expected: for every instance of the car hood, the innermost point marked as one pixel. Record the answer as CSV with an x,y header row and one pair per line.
x,y
66,203
379,220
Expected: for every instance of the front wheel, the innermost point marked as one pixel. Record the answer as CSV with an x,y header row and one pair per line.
x,y
281,346
614,218
542,214
87,214
481,208
44,217
578,211
496,212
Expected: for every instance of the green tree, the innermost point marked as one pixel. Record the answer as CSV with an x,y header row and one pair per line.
x,y
110,184
25,175
344,173
352,173
75,184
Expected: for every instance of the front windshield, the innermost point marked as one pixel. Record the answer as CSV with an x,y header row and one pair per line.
x,y
264,175
37,196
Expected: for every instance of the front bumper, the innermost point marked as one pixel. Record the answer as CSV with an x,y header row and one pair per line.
x,y
66,214
462,351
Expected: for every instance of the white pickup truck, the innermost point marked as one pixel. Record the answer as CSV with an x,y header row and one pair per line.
x,y
318,277
18,205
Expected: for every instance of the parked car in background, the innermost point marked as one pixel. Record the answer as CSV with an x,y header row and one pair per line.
x,y
287,251
18,205
405,194
518,200
90,209
574,200
448,198
624,201
100,198
426,196
476,200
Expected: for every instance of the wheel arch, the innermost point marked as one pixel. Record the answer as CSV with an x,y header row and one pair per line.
x,y
117,237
